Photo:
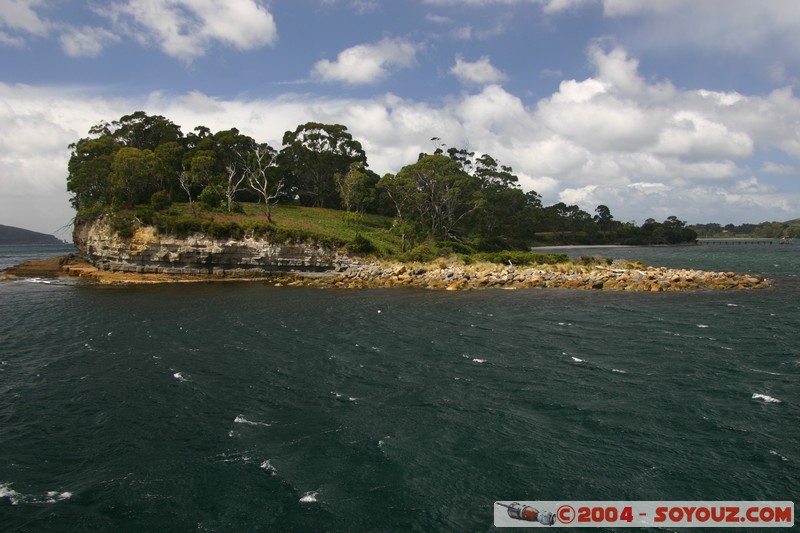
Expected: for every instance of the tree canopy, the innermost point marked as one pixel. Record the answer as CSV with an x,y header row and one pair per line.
x,y
464,199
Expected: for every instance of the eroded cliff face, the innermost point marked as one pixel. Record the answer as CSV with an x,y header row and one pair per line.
x,y
148,252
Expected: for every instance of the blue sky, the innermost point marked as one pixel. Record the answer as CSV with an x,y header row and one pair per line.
x,y
670,107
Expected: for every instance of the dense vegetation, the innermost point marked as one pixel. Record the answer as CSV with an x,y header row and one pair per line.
x,y
145,168
766,230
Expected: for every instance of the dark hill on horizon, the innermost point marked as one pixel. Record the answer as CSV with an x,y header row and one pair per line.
x,y
12,235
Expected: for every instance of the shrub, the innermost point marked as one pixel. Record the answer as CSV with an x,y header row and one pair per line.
x,y
421,253
447,248
209,198
360,245
145,214
160,200
523,258
123,225
225,229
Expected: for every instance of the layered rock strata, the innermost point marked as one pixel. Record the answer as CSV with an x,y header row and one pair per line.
x,y
147,252
149,257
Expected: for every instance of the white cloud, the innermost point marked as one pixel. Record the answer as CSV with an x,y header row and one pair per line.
x,y
365,6
779,170
86,41
8,40
21,15
549,6
734,26
365,64
185,29
610,139
481,72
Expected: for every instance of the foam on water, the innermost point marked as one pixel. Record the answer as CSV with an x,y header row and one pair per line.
x,y
240,419
266,465
577,360
476,360
309,497
53,496
179,377
765,398
16,498
7,492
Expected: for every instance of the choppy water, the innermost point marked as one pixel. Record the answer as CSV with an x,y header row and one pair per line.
x,y
244,407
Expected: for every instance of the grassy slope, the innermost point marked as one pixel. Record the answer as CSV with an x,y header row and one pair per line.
x,y
337,226
314,221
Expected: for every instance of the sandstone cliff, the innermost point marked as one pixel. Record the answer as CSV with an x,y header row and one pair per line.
x,y
147,252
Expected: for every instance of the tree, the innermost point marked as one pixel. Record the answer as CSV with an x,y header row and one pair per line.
x,y
233,184
314,153
139,130
441,194
356,188
89,170
217,162
167,161
186,181
261,176
604,219
399,191
131,175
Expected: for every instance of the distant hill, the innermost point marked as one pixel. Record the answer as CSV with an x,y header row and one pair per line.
x,y
792,222
12,235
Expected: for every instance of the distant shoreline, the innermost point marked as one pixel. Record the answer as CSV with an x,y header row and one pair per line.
x,y
574,246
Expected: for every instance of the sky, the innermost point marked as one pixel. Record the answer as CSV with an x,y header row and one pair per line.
x,y
653,108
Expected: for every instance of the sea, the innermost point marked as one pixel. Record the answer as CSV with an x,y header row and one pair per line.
x,y
248,407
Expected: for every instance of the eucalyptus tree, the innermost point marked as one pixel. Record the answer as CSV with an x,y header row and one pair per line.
x,y
441,194
218,163
312,156
262,175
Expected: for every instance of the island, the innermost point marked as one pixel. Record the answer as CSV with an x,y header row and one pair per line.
x,y
10,235
155,205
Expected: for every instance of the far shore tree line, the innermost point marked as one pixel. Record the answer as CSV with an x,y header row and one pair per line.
x,y
765,230
451,195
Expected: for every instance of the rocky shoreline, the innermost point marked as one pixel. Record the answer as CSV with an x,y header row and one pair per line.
x,y
441,275
627,277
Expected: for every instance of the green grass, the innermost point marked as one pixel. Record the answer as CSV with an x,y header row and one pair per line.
x,y
369,235
294,223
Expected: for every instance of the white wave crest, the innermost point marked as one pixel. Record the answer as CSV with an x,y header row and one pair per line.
x,y
266,465
776,454
179,377
577,360
618,371
309,497
338,395
240,419
476,360
13,496
54,496
765,398
16,498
